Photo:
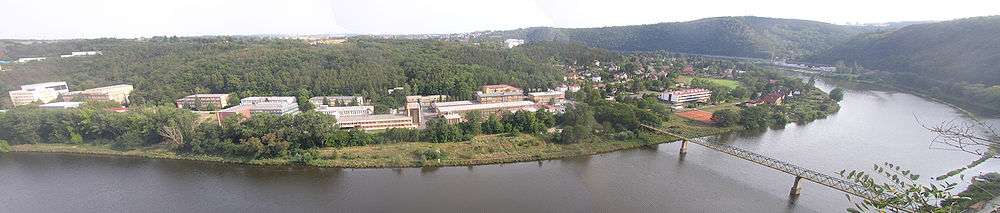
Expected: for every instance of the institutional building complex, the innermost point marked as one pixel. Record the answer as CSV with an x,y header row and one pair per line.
x,y
203,101
680,97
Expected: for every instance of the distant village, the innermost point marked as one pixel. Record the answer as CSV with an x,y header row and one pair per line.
x,y
353,112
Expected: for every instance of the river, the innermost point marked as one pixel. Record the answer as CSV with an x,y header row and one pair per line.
x,y
872,127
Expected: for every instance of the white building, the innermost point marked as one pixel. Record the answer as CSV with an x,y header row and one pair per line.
x,y
60,105
511,43
25,60
24,97
59,86
346,111
376,122
279,105
338,100
681,97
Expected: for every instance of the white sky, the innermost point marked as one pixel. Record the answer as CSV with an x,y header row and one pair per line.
x,y
57,19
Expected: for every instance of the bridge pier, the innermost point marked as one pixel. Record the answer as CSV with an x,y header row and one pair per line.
x,y
796,189
684,147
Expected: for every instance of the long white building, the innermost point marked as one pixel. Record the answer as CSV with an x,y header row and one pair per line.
x,y
279,105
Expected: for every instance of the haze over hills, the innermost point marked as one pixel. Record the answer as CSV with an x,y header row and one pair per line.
x,y
744,36
963,50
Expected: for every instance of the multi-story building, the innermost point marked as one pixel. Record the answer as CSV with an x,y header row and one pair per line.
x,y
426,98
24,97
464,107
203,101
346,111
338,100
59,86
547,97
499,93
413,110
681,97
278,105
376,122
117,93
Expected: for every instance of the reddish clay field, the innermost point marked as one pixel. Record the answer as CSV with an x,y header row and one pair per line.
x,y
697,115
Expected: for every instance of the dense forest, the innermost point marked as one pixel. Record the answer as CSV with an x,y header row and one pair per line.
x,y
956,61
960,50
744,36
166,68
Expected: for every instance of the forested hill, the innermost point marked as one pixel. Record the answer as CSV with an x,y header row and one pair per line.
x,y
745,36
163,69
960,50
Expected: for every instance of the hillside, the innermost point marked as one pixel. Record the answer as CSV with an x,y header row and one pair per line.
x,y
959,50
745,36
163,69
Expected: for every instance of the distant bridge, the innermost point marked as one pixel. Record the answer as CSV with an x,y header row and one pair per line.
x,y
792,169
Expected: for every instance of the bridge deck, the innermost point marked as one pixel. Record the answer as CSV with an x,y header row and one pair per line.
x,y
798,171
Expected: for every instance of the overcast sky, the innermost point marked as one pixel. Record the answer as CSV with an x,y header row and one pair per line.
x,y
59,19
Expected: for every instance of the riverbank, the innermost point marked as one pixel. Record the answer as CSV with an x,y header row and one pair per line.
x,y
481,150
959,105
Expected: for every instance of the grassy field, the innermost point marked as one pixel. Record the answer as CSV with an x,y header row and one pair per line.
x,y
483,149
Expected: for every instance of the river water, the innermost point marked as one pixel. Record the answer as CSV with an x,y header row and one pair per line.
x,y
872,127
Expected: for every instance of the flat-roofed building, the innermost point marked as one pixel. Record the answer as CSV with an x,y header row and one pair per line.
x,y
278,105
347,110
116,93
554,97
487,108
58,86
24,97
338,100
376,122
413,110
60,105
681,97
426,98
203,101
25,60
499,93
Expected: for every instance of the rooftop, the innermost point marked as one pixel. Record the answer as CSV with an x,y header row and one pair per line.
x,y
207,96
688,91
378,117
546,93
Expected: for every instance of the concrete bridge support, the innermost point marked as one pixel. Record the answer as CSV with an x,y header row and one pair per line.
x,y
796,189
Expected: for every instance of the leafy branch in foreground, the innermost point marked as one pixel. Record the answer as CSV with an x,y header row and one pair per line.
x,y
901,189
974,137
